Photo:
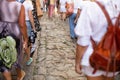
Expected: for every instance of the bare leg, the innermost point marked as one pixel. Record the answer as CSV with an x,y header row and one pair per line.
x,y
20,74
27,51
7,75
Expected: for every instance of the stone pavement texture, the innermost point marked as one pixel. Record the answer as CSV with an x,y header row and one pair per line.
x,y
55,56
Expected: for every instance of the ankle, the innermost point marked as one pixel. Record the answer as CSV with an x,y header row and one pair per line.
x,y
21,75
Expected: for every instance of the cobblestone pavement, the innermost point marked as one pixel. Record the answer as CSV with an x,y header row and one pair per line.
x,y
55,55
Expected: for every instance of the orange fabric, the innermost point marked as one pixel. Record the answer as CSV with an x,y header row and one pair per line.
x,y
39,11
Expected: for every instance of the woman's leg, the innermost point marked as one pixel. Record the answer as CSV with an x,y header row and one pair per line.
x,y
27,51
7,75
72,25
20,74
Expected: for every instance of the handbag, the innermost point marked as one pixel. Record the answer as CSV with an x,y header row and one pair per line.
x,y
33,36
106,55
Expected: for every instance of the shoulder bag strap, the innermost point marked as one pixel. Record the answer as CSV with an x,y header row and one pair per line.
x,y
109,25
118,20
105,13
108,20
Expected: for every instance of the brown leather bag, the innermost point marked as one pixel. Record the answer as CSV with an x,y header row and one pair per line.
x,y
106,55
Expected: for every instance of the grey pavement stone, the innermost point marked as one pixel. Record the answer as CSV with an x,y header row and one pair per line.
x,y
56,53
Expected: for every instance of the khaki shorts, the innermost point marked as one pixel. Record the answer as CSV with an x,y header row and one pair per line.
x,y
88,71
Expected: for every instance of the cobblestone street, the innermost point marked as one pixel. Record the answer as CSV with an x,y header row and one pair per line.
x,y
84,46
54,58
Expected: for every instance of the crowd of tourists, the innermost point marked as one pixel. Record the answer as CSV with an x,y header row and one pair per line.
x,y
87,23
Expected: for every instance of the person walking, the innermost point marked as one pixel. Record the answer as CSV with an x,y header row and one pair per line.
x,y
62,9
51,7
72,17
93,24
30,27
13,12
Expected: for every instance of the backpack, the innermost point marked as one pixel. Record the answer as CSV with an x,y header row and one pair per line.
x,y
106,54
8,53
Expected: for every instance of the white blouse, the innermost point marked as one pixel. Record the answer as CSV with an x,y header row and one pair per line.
x,y
92,23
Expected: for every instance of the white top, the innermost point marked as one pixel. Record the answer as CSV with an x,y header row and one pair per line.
x,y
28,6
62,5
92,23
84,3
9,10
77,4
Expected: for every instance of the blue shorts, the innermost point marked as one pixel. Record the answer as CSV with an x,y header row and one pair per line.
x,y
29,27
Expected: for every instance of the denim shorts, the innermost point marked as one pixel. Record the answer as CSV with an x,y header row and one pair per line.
x,y
29,27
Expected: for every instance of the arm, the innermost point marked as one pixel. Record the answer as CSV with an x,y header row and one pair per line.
x,y
83,31
22,24
80,50
77,16
31,19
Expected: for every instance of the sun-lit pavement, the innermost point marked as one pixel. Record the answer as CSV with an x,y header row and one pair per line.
x,y
55,55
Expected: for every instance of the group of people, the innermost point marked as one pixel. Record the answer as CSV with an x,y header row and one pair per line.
x,y
88,21
50,6
18,14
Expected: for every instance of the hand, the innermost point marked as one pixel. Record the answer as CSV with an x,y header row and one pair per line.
x,y
78,68
34,30
75,21
25,45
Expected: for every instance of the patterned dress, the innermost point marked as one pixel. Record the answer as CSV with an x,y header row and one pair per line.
x,y
9,13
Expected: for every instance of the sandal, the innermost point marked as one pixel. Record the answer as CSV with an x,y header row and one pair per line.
x,y
29,61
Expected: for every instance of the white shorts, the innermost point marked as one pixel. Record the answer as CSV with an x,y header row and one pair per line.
x,y
88,70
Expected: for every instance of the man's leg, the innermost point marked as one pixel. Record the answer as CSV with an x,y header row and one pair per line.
x,y
72,25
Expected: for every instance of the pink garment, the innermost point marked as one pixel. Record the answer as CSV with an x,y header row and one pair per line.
x,y
51,10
